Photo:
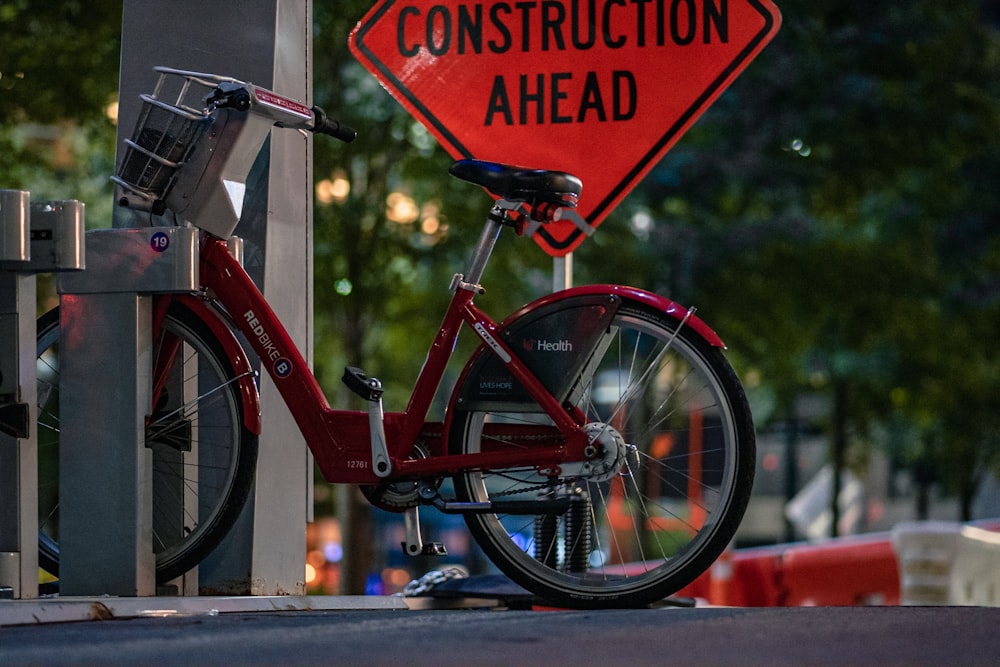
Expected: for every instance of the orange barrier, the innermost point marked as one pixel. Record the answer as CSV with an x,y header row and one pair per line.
x,y
747,578
850,571
841,572
847,571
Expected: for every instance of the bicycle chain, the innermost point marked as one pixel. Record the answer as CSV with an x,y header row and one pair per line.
x,y
383,495
432,580
525,489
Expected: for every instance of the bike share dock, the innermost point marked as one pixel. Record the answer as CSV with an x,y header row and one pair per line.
x,y
106,321
39,237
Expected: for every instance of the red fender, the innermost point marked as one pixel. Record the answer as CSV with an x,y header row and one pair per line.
x,y
663,304
236,355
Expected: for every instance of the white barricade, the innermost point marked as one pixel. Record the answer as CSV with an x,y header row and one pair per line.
x,y
943,563
975,575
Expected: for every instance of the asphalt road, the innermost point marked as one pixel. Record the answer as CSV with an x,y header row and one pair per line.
x,y
772,637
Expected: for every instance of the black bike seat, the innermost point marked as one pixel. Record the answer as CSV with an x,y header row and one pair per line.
x,y
520,184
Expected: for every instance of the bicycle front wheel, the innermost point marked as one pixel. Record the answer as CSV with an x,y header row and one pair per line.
x,y
665,495
204,458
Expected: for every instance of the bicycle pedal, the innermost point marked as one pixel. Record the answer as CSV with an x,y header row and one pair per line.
x,y
434,549
366,387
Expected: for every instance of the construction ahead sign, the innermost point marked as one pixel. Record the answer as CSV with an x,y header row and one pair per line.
x,y
599,88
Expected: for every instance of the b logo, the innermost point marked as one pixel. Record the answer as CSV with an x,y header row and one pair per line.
x,y
282,367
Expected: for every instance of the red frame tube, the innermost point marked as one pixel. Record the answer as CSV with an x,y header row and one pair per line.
x,y
339,439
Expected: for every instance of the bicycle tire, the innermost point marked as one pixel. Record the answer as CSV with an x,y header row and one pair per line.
x,y
673,493
204,458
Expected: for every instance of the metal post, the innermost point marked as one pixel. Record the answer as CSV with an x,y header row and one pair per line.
x,y
105,468
105,478
269,43
562,272
18,455
18,450
42,237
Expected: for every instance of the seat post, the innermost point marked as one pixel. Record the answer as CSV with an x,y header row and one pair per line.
x,y
487,240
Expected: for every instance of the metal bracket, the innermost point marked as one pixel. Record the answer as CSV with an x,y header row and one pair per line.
x,y
567,214
55,238
458,282
13,417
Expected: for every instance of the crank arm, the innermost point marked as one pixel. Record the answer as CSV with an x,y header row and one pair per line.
x,y
413,545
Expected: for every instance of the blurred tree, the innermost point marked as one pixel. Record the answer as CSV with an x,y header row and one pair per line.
x,y
834,214
59,60
58,83
387,247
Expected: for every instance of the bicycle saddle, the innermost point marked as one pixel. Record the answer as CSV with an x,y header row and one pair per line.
x,y
533,186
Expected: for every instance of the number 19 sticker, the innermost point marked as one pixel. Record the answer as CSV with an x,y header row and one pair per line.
x,y
159,242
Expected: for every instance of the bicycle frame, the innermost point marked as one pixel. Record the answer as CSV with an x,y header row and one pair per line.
x,y
341,439
348,445
586,432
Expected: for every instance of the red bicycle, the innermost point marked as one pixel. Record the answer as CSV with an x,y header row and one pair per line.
x,y
598,444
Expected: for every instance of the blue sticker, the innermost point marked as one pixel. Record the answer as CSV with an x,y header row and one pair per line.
x,y
159,242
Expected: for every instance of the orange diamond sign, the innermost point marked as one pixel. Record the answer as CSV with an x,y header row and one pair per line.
x,y
599,88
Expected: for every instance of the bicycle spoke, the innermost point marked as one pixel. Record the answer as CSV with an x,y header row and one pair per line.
x,y
664,418
203,458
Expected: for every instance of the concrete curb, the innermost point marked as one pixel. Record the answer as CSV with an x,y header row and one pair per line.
x,y
72,609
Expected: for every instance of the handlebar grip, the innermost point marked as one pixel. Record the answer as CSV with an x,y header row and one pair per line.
x,y
326,125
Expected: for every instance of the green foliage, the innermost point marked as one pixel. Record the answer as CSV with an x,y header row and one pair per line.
x,y
58,74
59,60
835,215
398,275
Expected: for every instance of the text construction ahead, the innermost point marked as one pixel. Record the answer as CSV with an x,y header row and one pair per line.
x,y
598,88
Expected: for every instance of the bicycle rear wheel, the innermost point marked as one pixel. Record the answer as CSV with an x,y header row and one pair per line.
x,y
204,458
662,501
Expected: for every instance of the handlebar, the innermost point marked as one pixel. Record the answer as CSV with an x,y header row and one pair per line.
x,y
162,167
323,124
284,111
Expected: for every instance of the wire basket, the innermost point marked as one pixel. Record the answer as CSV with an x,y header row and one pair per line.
x,y
164,136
